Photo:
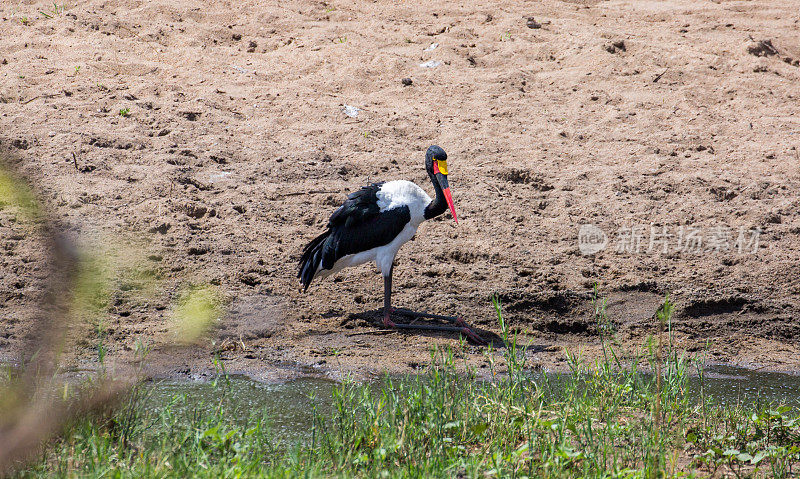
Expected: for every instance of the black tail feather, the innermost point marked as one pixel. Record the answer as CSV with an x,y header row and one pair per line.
x,y
312,257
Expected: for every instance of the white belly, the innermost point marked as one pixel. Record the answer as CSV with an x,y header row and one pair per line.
x,y
383,256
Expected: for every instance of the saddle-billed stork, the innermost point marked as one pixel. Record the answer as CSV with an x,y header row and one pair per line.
x,y
372,225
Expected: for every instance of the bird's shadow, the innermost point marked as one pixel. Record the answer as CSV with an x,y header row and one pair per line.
x,y
375,318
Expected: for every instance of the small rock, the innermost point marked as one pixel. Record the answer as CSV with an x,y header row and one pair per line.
x,y
471,61
198,250
617,46
190,115
20,144
237,36
4,62
164,132
431,47
251,48
762,48
195,211
723,193
161,228
532,23
407,81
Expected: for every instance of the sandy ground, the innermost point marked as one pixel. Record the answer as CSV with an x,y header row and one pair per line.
x,y
214,134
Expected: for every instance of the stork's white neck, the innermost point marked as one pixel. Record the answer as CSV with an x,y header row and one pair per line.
x,y
395,194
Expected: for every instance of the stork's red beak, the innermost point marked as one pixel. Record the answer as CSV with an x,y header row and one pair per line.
x,y
442,178
450,203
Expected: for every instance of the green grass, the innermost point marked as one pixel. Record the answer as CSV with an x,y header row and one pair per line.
x,y
601,421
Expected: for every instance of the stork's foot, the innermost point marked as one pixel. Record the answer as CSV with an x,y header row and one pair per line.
x,y
461,325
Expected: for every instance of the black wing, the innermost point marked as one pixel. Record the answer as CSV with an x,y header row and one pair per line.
x,y
358,225
359,206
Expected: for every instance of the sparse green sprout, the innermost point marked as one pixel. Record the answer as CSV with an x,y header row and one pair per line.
x,y
77,70
341,39
505,37
24,21
55,11
124,112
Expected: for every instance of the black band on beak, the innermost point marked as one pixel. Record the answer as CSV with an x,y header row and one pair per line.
x,y
442,179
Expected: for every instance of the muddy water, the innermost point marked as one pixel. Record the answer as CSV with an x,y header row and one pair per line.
x,y
291,405
732,385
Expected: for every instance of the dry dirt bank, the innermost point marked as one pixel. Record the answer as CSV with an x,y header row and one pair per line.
x,y
215,133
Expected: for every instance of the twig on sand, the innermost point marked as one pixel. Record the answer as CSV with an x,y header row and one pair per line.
x,y
46,95
495,188
658,77
309,192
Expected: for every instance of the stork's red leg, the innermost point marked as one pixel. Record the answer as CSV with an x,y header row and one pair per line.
x,y
462,326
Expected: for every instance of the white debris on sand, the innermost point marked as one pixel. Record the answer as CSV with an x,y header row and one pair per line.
x,y
351,111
